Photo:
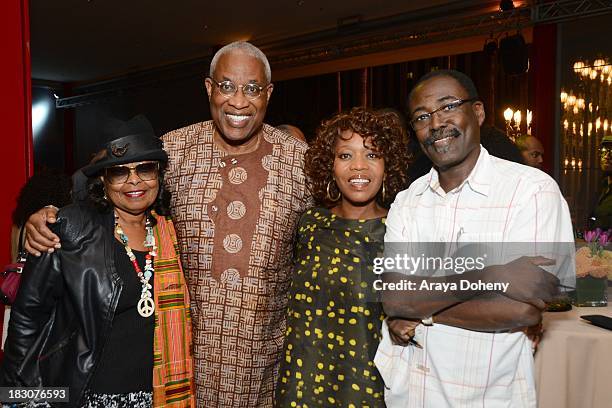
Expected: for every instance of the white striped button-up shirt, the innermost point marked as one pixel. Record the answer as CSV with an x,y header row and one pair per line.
x,y
500,201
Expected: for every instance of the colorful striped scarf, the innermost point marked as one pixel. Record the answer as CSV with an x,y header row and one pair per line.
x,y
172,362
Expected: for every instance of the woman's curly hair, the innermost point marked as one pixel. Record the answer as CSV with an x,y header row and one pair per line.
x,y
96,194
387,137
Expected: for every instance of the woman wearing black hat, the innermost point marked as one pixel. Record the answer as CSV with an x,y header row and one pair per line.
x,y
107,315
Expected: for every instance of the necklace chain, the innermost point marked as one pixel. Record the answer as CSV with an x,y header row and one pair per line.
x,y
146,304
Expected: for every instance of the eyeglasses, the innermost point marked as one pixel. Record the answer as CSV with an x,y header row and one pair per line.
x,y
445,111
121,174
229,89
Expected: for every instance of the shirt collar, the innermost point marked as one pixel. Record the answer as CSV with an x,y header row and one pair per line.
x,y
479,180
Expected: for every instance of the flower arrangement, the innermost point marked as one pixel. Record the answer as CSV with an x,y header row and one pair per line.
x,y
593,267
597,239
594,260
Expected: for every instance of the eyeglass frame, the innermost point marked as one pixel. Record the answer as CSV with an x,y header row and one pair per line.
x,y
457,101
241,87
132,170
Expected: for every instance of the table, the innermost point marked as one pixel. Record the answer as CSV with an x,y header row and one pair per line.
x,y
574,361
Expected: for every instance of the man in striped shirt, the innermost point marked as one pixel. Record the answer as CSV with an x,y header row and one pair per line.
x,y
473,351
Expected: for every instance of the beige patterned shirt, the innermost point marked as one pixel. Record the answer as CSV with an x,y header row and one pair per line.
x,y
235,217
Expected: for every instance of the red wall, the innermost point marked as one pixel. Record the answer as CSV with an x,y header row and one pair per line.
x,y
15,114
15,108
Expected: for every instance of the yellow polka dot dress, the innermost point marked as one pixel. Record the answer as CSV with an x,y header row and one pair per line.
x,y
333,324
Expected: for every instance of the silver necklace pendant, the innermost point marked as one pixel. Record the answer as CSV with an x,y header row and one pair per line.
x,y
146,306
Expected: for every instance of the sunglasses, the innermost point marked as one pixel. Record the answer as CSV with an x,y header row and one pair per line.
x,y
121,174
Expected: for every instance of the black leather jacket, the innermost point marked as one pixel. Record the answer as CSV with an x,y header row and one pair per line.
x,y
65,306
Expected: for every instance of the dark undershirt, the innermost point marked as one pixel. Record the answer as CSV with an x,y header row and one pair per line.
x,y
126,363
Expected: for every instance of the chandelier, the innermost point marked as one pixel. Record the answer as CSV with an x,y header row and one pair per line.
x,y
586,112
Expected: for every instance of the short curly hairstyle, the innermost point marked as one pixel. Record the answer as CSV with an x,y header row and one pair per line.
x,y
386,136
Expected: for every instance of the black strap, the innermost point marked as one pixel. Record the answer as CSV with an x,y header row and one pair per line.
x,y
21,253
20,247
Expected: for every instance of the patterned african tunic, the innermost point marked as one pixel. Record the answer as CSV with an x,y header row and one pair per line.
x,y
332,330
235,218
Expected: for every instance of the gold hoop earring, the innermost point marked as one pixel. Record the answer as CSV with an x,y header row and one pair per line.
x,y
383,191
329,197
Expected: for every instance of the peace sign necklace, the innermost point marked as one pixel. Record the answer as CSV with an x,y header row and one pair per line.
x,y
146,304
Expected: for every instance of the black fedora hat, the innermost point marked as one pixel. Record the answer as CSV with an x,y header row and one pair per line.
x,y
137,143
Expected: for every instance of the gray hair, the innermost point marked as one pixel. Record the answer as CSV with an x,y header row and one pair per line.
x,y
246,48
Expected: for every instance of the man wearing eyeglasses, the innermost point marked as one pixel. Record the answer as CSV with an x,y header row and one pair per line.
x,y
473,349
531,150
238,188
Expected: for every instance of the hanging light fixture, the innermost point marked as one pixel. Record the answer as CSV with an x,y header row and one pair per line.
x,y
578,65
517,117
598,64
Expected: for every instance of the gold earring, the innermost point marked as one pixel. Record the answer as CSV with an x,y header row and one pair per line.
x,y
383,191
329,197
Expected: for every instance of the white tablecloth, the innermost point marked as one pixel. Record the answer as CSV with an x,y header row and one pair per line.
x,y
574,361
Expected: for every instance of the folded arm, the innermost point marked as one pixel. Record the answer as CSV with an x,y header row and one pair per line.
x,y
527,283
489,313
544,217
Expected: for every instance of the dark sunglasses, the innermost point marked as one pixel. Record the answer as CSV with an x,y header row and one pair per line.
x,y
121,174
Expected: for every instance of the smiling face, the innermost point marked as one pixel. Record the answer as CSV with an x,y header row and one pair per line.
x,y
454,140
238,118
359,172
133,196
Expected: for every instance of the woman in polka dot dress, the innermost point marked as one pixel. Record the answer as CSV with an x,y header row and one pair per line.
x,y
355,166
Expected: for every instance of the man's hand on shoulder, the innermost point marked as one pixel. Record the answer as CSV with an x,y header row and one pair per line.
x,y
39,238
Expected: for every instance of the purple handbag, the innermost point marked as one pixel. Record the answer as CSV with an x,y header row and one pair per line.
x,y
10,278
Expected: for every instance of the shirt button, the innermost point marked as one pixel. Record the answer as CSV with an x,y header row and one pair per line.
x,y
214,208
222,164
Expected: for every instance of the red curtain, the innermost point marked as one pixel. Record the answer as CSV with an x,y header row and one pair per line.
x,y
16,107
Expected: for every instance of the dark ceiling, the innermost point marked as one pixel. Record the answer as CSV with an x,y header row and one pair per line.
x,y
90,40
